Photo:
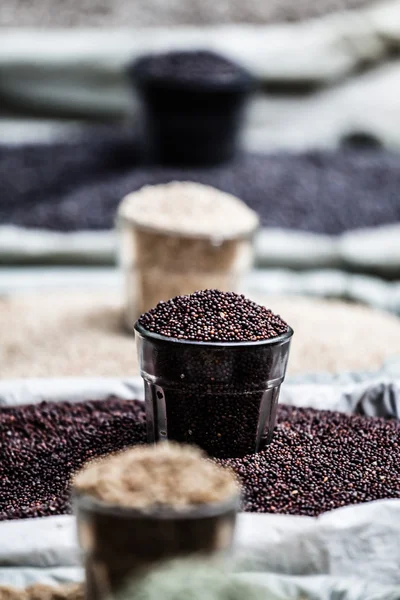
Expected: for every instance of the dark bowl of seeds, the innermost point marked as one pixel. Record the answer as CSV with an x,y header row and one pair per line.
x,y
193,105
213,363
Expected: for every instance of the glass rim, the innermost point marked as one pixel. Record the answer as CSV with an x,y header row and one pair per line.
x,y
163,338
122,219
194,511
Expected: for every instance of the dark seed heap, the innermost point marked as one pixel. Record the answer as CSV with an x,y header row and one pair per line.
x,y
79,186
215,397
198,67
213,316
317,461
321,460
42,445
35,176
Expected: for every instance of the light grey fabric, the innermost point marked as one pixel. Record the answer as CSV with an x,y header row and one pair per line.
x,y
287,262
390,371
322,587
20,245
62,70
365,103
353,550
376,250
71,389
325,283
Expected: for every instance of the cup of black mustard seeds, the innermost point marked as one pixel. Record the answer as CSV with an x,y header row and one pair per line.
x,y
212,363
193,105
149,504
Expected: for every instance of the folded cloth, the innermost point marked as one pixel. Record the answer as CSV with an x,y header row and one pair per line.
x,y
42,68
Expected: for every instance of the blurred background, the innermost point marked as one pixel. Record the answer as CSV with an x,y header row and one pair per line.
x,y
292,108
312,146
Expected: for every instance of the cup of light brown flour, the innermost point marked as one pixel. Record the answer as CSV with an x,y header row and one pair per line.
x,y
181,237
150,504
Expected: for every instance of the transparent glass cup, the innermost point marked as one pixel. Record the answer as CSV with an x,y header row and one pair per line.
x,y
221,397
119,543
158,265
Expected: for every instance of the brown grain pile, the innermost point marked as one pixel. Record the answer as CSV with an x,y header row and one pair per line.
x,y
40,591
161,475
58,334
188,208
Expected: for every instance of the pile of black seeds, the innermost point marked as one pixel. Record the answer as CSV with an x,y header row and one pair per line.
x,y
41,445
59,187
34,177
321,460
213,316
199,67
215,397
317,461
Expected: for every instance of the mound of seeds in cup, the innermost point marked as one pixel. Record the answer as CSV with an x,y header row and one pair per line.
x,y
43,444
200,67
154,476
321,460
213,316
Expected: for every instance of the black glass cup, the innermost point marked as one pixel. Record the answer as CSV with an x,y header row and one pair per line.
x,y
191,121
221,397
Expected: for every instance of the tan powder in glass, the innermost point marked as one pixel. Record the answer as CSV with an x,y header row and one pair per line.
x,y
189,208
166,474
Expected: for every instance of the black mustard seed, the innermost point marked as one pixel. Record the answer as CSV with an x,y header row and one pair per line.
x,y
201,67
42,445
318,460
213,316
321,460
69,187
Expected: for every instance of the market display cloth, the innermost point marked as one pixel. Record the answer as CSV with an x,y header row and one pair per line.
x,y
325,283
353,552
57,73
373,250
71,72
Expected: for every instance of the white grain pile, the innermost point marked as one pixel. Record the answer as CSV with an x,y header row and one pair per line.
x,y
50,335
200,210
